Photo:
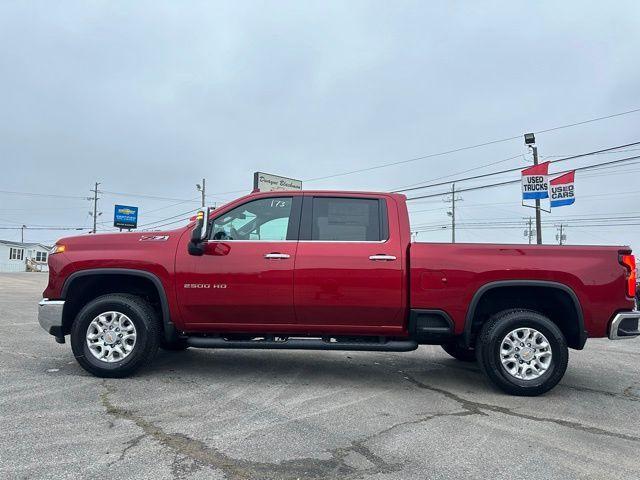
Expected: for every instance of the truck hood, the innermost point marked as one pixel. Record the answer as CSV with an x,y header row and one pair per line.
x,y
116,241
153,252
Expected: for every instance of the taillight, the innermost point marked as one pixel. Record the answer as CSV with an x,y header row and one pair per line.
x,y
629,261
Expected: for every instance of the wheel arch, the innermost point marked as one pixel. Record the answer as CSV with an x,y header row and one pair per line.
x,y
557,295
101,280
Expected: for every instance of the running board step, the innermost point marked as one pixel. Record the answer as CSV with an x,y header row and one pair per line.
x,y
297,343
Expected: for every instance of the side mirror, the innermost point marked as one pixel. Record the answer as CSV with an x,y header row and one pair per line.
x,y
199,234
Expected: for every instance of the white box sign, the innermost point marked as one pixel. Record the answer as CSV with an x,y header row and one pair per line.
x,y
265,182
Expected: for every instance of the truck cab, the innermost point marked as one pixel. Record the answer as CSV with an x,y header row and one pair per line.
x,y
312,263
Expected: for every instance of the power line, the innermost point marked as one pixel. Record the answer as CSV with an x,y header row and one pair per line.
x,y
509,170
583,223
169,223
479,167
26,227
33,194
584,122
169,218
470,147
172,205
602,153
140,195
508,182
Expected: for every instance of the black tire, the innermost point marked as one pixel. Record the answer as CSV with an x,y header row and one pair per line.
x,y
144,319
460,352
488,347
174,346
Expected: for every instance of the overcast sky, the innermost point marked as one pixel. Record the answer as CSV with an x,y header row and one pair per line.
x,y
150,97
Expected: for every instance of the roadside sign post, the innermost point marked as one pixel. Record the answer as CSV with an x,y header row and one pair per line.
x,y
125,216
267,182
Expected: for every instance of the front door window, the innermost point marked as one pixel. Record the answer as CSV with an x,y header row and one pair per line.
x,y
266,219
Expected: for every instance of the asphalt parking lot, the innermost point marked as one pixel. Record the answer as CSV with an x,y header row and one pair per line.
x,y
286,415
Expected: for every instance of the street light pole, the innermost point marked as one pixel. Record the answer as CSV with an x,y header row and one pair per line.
x,y
202,190
538,219
530,141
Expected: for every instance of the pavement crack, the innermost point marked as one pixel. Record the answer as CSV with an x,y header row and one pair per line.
x,y
477,407
625,395
192,455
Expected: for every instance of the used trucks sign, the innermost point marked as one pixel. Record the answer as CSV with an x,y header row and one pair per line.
x,y
535,183
266,182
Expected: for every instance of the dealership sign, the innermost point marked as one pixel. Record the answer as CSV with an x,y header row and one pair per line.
x,y
535,182
538,184
266,182
125,216
562,190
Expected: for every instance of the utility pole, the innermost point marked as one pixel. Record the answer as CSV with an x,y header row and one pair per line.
x,y
202,190
22,233
561,236
452,212
529,231
95,207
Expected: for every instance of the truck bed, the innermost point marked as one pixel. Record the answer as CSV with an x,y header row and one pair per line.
x,y
446,276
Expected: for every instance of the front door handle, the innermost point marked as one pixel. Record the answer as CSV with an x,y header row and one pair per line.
x,y
276,256
382,257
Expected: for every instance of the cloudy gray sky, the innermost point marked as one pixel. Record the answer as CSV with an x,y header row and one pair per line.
x,y
149,97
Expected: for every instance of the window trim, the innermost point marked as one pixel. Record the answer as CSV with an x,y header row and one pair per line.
x,y
293,229
16,250
306,227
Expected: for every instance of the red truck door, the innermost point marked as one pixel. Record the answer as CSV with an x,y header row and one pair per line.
x,y
246,275
349,274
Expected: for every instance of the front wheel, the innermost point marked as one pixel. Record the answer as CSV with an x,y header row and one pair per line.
x,y
114,335
522,352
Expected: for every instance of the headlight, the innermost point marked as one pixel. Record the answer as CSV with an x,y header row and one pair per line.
x,y
57,249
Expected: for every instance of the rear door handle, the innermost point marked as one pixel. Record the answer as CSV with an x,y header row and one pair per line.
x,y
382,258
276,256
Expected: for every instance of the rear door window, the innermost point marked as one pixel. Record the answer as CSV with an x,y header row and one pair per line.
x,y
347,219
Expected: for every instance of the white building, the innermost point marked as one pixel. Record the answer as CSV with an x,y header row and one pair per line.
x,y
23,257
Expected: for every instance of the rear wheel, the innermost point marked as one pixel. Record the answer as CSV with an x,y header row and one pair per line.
x,y
114,335
460,352
522,352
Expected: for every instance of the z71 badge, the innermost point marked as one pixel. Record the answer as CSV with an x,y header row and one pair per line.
x,y
154,238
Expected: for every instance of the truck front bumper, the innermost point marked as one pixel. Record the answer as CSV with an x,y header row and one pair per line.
x,y
50,317
625,325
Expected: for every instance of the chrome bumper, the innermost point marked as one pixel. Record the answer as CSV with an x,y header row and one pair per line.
x,y
625,325
50,316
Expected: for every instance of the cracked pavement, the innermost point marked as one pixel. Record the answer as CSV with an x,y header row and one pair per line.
x,y
256,414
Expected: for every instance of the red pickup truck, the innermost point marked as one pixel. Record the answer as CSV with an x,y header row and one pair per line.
x,y
334,271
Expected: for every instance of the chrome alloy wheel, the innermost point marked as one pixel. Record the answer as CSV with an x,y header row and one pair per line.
x,y
525,353
111,337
